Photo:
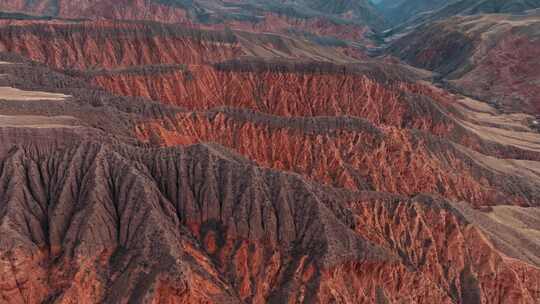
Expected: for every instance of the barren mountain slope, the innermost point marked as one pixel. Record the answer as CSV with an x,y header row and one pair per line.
x,y
455,8
348,19
151,163
491,57
115,45
88,221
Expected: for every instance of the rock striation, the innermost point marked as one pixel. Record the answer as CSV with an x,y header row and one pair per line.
x,y
158,163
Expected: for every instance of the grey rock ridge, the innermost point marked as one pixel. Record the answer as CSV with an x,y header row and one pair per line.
x,y
126,220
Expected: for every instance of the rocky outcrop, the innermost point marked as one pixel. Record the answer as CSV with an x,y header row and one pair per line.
x,y
109,223
319,26
94,224
419,224
348,20
117,45
137,10
384,94
110,45
180,171
346,153
208,87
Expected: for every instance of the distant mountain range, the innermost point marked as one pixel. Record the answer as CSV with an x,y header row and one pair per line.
x,y
419,11
493,57
398,11
358,11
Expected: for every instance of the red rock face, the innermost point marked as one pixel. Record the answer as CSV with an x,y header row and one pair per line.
x,y
102,9
260,18
322,92
123,10
318,26
420,226
191,173
350,154
303,95
115,45
242,260
74,47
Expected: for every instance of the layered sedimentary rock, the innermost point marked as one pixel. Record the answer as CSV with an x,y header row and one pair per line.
x,y
114,45
384,94
111,45
347,20
139,233
138,10
202,225
159,10
195,166
349,153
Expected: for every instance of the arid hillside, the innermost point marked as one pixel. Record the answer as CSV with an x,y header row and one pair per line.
x,y
441,10
490,57
399,11
344,20
145,162
115,45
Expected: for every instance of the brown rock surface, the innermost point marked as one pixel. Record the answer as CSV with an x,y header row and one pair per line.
x,y
178,170
347,22
490,57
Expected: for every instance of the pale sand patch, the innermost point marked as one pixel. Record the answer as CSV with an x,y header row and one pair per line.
x,y
5,62
10,93
483,112
35,121
522,168
515,231
506,129
524,140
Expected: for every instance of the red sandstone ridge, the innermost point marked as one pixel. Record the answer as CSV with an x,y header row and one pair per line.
x,y
124,9
319,26
152,163
384,94
86,46
345,153
347,20
113,45
303,94
420,225
169,240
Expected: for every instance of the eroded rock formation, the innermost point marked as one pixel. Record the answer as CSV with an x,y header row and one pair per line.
x,y
490,57
180,165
